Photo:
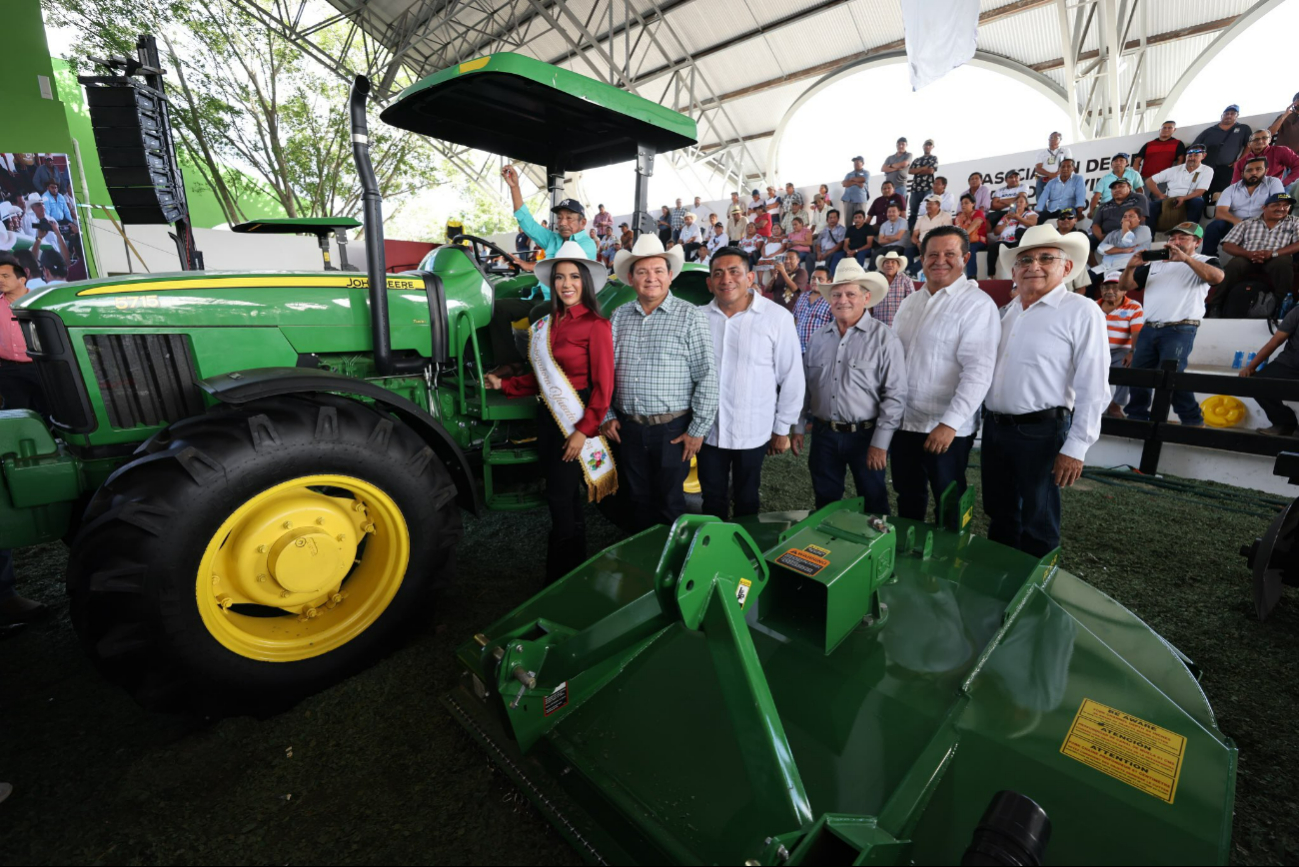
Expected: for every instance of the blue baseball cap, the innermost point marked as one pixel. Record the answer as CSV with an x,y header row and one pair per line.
x,y
1280,198
1233,107
570,205
1195,149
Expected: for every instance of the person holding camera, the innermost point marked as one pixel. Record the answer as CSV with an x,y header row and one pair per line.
x,y
1176,281
1285,128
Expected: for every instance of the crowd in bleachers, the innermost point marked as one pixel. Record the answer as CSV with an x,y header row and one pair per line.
x,y
905,356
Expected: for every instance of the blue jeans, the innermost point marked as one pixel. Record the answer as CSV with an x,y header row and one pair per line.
x,y
1278,413
972,267
654,471
730,473
1155,346
831,454
916,472
1020,496
1213,235
916,207
1194,209
862,257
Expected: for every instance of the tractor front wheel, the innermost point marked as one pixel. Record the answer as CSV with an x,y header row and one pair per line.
x,y
247,558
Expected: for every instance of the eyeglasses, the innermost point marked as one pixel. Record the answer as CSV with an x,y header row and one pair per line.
x,y
1044,260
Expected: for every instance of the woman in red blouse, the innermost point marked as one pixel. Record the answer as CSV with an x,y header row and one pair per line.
x,y
581,342
976,226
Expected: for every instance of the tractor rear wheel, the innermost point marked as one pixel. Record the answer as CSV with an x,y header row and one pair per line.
x,y
247,558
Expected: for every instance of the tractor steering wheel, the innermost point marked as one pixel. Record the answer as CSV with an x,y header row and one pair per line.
x,y
509,258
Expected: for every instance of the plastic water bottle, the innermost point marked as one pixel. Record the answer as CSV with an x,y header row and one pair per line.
x,y
1238,361
1250,360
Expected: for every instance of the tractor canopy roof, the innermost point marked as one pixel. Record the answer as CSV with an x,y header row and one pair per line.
x,y
528,110
297,225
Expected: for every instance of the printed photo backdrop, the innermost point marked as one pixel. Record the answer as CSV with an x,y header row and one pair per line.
x,y
39,222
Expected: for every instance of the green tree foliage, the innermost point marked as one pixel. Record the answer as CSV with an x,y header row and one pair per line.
x,y
249,104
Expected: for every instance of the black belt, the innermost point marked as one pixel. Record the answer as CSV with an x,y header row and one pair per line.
x,y
1029,417
847,426
1194,322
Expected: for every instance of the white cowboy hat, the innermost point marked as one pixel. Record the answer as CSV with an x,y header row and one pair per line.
x,y
647,246
571,251
892,256
849,271
1073,244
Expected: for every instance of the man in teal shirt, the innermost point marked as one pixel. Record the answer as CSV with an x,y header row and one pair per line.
x,y
1118,169
568,223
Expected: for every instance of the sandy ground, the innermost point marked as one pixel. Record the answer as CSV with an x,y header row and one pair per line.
x,y
373,771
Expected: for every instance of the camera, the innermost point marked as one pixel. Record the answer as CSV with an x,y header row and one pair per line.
x,y
43,225
1155,255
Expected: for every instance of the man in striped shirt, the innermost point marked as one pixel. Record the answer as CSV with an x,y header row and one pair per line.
x,y
1123,320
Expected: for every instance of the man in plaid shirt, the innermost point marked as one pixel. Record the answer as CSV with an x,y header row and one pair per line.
x,y
811,310
665,383
1267,242
678,217
894,269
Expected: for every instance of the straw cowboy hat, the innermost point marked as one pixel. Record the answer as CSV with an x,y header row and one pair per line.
x,y
571,251
1073,244
647,246
874,284
892,256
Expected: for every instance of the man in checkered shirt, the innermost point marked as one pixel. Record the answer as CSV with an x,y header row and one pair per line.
x,y
678,218
665,383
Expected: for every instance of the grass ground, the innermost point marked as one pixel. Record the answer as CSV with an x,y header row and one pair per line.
x,y
373,771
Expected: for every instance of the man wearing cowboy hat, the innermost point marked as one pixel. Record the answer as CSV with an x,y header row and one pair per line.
x,y
894,269
856,391
665,391
949,331
760,372
1049,389
736,224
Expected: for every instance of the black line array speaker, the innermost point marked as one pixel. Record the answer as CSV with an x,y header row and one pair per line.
x,y
135,150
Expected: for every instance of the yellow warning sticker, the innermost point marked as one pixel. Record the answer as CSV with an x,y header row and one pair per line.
x,y
742,591
1127,748
802,562
823,553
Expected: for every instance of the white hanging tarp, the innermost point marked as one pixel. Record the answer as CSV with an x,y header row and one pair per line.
x,y
940,36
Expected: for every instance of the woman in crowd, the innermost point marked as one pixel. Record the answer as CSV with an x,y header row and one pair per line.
x,y
752,243
772,250
762,222
571,353
824,194
972,221
800,241
664,223
1121,245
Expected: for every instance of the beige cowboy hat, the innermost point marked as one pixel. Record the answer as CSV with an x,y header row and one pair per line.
x,y
1074,244
571,251
849,271
647,246
892,256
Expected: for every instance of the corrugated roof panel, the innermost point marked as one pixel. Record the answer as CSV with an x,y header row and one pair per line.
x,y
700,27
1169,16
820,38
1029,37
879,22
761,111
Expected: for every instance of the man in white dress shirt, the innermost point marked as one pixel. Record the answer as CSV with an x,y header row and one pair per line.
x,y
760,370
1049,389
949,330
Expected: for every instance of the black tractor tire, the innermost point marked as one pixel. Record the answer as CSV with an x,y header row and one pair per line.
x,y
134,565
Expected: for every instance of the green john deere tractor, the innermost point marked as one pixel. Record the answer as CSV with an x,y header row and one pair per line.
x,y
261,475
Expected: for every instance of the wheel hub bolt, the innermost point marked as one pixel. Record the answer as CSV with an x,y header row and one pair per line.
x,y
301,543
320,521
284,594
340,537
261,577
288,525
368,527
261,549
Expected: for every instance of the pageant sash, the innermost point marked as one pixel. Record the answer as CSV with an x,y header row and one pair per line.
x,y
567,409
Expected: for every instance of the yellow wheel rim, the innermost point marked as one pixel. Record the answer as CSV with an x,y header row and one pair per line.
x,y
302,568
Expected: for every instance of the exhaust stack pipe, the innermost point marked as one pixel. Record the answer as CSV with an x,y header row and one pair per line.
x,y
372,216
